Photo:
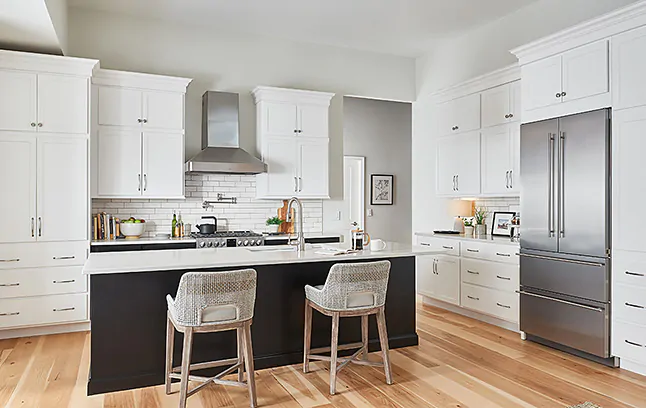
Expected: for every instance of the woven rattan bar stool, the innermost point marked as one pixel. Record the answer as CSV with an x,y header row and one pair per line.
x,y
354,289
209,302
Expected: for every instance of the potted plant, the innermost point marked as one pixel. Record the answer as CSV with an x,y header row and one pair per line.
x,y
468,227
480,217
273,223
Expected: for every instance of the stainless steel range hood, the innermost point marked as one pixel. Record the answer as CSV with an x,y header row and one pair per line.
x,y
221,152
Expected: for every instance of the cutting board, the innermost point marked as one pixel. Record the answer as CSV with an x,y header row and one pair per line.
x,y
286,227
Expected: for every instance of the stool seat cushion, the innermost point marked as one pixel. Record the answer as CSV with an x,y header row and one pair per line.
x,y
354,300
214,314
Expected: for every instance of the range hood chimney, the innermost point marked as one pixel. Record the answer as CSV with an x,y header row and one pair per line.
x,y
221,152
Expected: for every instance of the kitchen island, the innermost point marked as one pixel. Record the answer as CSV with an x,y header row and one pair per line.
x,y
128,307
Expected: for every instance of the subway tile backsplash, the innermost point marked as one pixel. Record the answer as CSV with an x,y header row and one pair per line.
x,y
247,214
499,204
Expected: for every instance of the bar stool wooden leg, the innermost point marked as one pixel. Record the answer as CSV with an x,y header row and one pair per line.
x,y
307,337
170,347
186,366
364,335
239,336
333,352
383,340
248,358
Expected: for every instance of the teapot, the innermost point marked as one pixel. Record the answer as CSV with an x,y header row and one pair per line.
x,y
359,238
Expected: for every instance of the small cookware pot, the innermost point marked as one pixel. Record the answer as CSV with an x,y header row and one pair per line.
x,y
208,228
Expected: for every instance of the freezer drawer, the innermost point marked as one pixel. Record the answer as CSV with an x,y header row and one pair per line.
x,y
585,280
581,327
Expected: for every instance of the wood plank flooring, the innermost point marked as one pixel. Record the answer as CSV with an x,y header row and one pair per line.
x,y
460,362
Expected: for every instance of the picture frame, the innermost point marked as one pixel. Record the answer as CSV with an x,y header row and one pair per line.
x,y
382,189
501,223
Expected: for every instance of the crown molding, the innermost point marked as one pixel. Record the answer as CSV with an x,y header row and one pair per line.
x,y
613,23
267,93
481,83
140,80
26,61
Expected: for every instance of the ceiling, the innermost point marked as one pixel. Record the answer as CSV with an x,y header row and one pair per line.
x,y
400,27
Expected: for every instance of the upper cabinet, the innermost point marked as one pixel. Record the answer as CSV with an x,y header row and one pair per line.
x,y
459,115
567,83
628,67
40,102
501,105
501,160
458,165
293,135
138,149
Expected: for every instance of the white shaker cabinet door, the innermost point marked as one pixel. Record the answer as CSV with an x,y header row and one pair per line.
x,y
119,106
425,268
468,159
448,151
628,67
541,84
313,169
514,157
313,120
585,71
17,101
515,101
281,118
281,159
496,165
63,104
629,189
119,163
18,187
467,113
448,279
496,106
63,197
163,110
163,165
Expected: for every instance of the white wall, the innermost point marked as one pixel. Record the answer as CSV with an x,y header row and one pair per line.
x,y
26,25
471,54
220,62
58,15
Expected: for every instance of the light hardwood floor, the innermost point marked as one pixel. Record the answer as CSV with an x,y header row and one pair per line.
x,y
460,362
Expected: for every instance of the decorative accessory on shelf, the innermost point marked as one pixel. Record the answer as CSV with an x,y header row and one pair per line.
x,y
502,223
480,217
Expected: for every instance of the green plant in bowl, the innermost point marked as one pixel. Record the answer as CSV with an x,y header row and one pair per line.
x,y
274,221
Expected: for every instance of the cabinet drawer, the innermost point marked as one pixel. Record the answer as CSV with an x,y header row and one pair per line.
x,y
43,310
502,305
629,303
42,281
491,274
452,247
38,254
629,341
629,268
491,252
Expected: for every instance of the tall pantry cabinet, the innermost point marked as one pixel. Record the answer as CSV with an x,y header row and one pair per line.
x,y
44,180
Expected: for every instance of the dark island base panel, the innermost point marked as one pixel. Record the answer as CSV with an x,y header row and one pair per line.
x,y
128,313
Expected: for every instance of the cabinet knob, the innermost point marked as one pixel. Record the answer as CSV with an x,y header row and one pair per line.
x,y
511,115
506,116
40,124
300,131
33,124
139,120
558,95
295,131
563,93
145,121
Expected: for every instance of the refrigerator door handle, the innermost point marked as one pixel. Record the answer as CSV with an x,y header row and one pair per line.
x,y
596,309
562,185
549,258
550,210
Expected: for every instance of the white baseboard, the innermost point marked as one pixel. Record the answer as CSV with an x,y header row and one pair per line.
x,y
44,330
474,315
634,367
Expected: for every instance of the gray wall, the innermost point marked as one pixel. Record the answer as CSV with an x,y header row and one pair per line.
x,y
381,131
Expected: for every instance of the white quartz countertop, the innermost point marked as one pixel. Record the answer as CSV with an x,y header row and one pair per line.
x,y
142,241
179,259
307,236
486,239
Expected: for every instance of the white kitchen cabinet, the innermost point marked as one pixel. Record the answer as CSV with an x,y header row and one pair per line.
x,y
63,104
139,135
438,277
571,76
628,67
62,198
459,115
18,100
629,189
18,187
501,160
162,165
293,136
501,105
458,165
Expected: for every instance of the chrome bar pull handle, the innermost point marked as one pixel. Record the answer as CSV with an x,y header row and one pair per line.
x,y
10,314
562,185
473,272
40,227
6,285
503,277
58,258
473,298
64,281
33,233
511,179
503,306
550,190
635,274
139,182
10,260
65,309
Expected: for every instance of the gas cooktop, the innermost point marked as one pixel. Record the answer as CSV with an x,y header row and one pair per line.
x,y
226,234
229,239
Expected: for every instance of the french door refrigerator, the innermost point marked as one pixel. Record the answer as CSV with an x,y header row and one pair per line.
x,y
565,239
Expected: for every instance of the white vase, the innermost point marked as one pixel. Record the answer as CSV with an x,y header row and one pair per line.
x,y
481,229
273,228
468,231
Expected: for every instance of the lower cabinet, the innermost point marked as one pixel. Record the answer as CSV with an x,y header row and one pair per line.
x,y
474,274
43,310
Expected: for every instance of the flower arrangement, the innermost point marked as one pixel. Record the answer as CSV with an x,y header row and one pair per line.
x,y
480,215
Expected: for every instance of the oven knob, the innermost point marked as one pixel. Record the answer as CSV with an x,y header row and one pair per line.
x,y
202,244
246,242
209,244
259,242
239,243
223,243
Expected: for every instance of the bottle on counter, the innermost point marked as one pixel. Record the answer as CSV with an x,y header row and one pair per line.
x,y
180,226
173,225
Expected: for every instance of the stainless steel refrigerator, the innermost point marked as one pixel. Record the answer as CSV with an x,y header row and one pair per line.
x,y
565,239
